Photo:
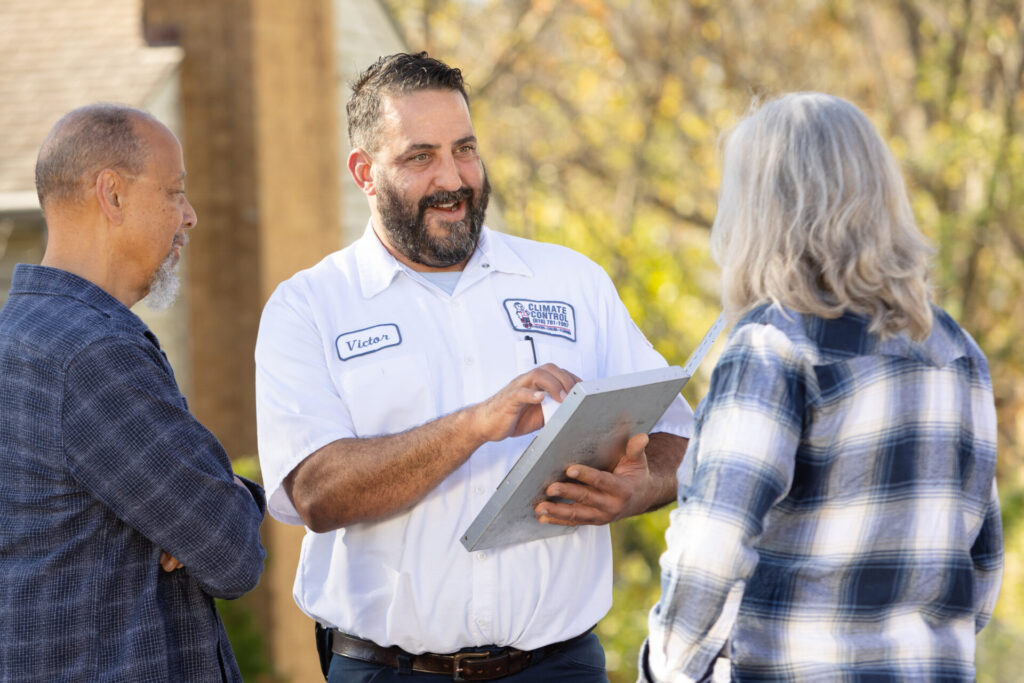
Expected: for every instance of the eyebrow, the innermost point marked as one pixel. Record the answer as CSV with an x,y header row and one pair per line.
x,y
417,147
421,146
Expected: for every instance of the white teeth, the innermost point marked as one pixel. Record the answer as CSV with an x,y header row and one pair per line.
x,y
447,207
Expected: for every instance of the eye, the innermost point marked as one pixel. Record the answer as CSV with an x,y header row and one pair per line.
x,y
421,157
466,149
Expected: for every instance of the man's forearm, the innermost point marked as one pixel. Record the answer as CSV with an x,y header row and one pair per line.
x,y
664,455
357,480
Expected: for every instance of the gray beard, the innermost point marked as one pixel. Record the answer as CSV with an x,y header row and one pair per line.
x,y
164,285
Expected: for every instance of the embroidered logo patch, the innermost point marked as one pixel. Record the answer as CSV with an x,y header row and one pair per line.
x,y
367,340
556,318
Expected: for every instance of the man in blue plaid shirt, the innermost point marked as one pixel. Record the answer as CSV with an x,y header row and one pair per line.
x,y
122,519
842,523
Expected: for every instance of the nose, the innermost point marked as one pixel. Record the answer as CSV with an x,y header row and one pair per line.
x,y
448,176
190,215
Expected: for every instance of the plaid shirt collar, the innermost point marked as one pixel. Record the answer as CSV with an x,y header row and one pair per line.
x,y
43,280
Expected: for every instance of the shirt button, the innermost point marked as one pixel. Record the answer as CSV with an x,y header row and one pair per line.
x,y
468,361
485,265
478,490
481,622
482,556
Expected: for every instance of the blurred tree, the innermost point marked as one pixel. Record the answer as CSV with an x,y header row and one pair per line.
x,y
599,121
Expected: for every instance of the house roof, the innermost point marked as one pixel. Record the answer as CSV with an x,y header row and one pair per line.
x,y
56,55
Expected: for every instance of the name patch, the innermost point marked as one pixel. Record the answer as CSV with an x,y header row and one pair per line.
x,y
556,318
367,340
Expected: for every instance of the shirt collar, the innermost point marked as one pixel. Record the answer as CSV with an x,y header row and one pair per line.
x,y
848,335
378,268
29,279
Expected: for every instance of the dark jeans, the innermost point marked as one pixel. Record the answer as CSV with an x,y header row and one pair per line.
x,y
579,662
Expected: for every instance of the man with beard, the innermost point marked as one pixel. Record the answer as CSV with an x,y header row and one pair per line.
x,y
122,519
398,381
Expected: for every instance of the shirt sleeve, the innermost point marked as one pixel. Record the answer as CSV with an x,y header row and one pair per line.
x,y
130,440
298,407
987,556
741,473
628,350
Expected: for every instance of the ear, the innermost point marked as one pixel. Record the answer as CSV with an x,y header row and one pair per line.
x,y
360,165
109,190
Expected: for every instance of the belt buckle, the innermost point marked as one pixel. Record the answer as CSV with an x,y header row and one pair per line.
x,y
457,662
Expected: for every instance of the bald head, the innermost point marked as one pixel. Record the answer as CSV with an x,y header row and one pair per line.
x,y
84,142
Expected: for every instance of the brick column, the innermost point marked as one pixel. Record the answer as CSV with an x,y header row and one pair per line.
x,y
260,135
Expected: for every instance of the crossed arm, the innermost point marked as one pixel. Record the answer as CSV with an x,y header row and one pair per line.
x,y
169,562
131,442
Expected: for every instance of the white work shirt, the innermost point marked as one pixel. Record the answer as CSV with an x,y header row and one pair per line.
x,y
361,346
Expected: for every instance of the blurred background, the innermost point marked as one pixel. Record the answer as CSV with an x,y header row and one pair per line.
x,y
600,123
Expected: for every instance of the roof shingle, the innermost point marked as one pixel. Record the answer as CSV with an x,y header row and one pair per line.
x,y
56,55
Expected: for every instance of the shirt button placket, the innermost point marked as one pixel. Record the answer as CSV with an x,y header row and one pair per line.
x,y
465,355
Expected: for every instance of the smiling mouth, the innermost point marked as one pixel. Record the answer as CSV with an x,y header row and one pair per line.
x,y
454,202
450,207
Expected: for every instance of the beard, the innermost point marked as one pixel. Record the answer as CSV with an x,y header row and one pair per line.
x,y
407,231
164,284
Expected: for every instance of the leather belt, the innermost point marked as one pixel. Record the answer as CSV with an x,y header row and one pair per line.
x,y
494,663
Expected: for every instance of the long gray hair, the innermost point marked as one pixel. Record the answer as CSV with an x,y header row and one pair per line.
x,y
813,215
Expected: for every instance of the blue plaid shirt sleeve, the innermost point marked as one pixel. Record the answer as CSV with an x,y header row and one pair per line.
x,y
130,440
748,430
987,556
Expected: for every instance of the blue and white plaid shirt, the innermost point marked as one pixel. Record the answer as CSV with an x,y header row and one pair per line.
x,y
101,467
842,523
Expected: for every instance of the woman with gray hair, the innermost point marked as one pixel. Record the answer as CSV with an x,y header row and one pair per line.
x,y
842,522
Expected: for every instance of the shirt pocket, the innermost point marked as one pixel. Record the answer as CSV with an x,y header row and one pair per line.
x,y
388,395
563,353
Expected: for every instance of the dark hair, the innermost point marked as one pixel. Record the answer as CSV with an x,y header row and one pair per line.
x,y
396,74
84,142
